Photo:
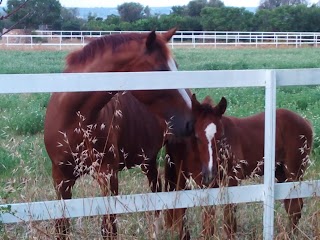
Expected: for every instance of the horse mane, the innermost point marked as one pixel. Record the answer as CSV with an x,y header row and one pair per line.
x,y
98,46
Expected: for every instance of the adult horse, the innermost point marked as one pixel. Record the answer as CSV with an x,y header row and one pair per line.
x,y
77,127
225,150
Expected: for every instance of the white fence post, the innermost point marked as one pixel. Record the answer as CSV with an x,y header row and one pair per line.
x,y
269,154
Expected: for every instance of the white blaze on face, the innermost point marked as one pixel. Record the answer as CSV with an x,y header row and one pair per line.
x,y
185,97
210,131
173,67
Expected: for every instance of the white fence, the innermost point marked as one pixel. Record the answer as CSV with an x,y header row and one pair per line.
x,y
181,38
266,193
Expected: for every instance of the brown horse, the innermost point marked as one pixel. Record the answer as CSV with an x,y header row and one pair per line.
x,y
78,130
225,150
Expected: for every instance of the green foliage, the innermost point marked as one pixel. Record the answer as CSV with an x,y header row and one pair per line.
x,y
226,19
213,16
166,22
130,11
287,18
215,3
40,12
179,10
69,20
146,23
197,15
194,7
272,4
112,19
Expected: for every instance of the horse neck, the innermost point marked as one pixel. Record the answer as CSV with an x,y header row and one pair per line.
x,y
107,61
88,104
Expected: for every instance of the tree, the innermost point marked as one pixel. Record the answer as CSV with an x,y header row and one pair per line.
x,y
147,12
287,18
215,3
271,4
130,12
40,12
179,10
195,7
112,19
69,19
226,19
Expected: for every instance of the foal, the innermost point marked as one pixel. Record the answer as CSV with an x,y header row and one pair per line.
x,y
232,149
225,150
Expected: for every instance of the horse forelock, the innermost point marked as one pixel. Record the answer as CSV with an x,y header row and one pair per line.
x,y
205,110
98,46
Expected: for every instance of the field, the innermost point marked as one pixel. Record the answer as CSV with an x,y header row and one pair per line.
x,y
25,169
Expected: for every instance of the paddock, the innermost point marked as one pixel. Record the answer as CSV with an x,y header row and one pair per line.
x,y
266,193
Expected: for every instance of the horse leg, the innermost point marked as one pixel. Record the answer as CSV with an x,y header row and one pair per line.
x,y
230,222
151,170
63,186
293,206
208,221
108,181
229,218
175,218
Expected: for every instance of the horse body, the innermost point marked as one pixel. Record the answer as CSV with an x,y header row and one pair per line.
x,y
225,150
245,136
123,135
78,132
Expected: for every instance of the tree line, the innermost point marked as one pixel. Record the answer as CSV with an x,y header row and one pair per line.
x,y
209,15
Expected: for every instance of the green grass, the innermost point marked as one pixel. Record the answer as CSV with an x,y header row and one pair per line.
x,y
24,62
25,167
23,114
237,59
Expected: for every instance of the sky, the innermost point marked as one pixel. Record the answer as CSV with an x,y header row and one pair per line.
x,y
150,3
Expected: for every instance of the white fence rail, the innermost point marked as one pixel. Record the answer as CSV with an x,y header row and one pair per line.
x,y
266,193
181,38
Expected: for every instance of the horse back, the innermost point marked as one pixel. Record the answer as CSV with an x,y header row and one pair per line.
x,y
294,138
290,125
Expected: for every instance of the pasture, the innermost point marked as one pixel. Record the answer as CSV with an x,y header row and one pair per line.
x,y
25,168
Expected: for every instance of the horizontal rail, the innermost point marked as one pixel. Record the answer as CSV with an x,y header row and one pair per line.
x,y
181,38
68,82
82,207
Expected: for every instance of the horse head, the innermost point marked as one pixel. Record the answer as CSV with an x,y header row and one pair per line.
x,y
209,133
139,52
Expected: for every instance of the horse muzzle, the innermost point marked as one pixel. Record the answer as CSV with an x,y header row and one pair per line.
x,y
208,176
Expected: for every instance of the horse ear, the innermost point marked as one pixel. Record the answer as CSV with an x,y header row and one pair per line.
x,y
222,106
195,103
151,40
208,100
168,35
